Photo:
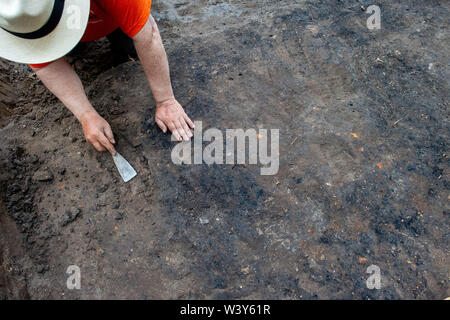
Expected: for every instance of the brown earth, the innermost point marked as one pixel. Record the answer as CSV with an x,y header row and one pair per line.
x,y
363,179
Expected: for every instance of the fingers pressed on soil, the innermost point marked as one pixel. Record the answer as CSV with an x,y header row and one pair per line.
x,y
181,131
189,121
161,125
174,131
177,135
186,127
171,126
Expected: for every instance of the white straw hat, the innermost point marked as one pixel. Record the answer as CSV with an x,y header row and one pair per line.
x,y
39,31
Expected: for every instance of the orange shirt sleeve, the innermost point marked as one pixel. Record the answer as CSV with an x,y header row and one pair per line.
x,y
40,65
130,15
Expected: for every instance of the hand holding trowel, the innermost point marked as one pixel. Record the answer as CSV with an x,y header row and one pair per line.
x,y
98,132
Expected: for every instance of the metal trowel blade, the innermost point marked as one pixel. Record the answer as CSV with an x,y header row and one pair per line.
x,y
126,171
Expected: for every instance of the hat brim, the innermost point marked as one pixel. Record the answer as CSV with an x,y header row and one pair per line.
x,y
53,46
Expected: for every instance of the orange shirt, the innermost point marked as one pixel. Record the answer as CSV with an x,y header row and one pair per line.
x,y
108,15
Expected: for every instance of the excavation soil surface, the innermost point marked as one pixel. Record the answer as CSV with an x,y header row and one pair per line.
x,y
363,177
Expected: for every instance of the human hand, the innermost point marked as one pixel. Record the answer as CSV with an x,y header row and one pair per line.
x,y
98,132
170,114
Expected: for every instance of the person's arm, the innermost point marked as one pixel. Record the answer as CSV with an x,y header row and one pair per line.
x,y
64,83
169,113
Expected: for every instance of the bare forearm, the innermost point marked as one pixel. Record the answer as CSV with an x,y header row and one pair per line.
x,y
64,83
153,57
169,113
